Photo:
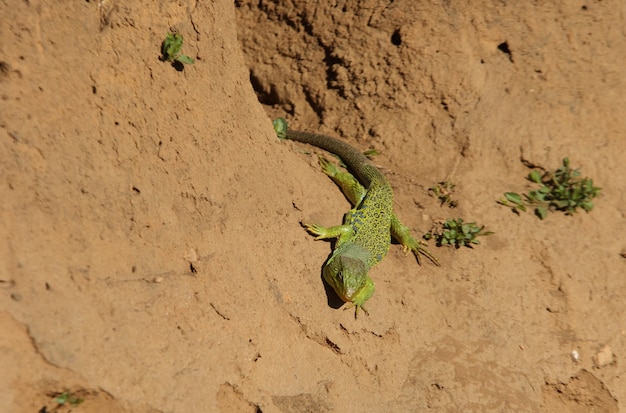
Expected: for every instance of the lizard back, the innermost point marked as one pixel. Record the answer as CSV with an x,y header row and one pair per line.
x,y
370,219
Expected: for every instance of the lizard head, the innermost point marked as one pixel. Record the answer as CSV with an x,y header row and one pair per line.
x,y
348,277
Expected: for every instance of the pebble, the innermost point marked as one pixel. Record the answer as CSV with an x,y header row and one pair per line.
x,y
604,357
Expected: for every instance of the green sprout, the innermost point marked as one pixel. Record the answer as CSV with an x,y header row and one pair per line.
x,y
67,397
170,49
561,190
443,191
371,153
455,232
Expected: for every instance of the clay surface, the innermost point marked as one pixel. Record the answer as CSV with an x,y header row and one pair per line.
x,y
151,253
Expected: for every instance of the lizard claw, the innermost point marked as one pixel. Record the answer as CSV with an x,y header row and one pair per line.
x,y
356,309
326,232
328,167
313,229
418,249
318,231
423,251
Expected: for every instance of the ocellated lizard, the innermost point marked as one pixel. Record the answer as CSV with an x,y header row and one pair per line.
x,y
364,237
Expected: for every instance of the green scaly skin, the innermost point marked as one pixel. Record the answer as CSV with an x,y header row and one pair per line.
x,y
365,235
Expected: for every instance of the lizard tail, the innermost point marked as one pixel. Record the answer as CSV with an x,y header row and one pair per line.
x,y
355,160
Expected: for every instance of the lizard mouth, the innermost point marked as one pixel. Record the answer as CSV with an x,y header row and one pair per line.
x,y
348,294
357,296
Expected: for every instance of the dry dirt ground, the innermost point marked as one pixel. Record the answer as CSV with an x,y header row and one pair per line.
x,y
151,257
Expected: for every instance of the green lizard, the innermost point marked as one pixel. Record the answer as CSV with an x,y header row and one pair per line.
x,y
363,239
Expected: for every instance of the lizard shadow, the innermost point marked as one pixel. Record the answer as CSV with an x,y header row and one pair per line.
x,y
332,299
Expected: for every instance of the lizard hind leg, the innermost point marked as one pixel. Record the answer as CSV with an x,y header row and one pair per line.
x,y
402,234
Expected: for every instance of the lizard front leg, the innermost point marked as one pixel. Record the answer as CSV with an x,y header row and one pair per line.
x,y
342,232
350,186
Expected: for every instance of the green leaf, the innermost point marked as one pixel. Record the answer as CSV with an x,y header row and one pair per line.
x,y
513,197
466,229
536,196
587,205
62,398
535,176
185,59
541,212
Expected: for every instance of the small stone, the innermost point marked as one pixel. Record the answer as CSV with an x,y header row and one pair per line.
x,y
604,357
191,255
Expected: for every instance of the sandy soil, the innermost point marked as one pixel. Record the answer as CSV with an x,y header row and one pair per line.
x,y
151,257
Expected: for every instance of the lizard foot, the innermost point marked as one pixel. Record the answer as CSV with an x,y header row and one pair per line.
x,y
314,229
321,232
328,167
356,309
418,248
403,235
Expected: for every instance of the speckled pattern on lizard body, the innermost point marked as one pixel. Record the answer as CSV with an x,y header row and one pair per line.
x,y
364,238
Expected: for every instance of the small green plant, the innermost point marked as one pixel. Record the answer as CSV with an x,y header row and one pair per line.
x,y
67,397
371,153
170,49
443,191
560,190
455,232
